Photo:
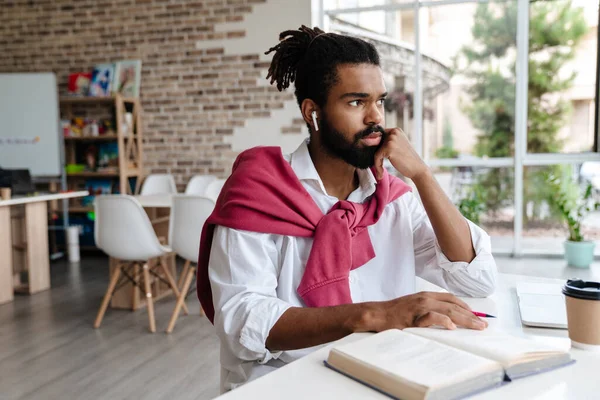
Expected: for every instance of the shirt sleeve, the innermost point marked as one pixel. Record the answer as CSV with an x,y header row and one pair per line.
x,y
243,277
474,279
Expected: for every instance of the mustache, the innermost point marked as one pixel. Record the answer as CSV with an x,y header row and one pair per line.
x,y
369,131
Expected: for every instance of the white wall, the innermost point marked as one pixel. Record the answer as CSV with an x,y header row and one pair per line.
x,y
262,27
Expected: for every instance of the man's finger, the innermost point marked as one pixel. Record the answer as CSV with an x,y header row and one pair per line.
x,y
460,316
450,298
379,157
433,318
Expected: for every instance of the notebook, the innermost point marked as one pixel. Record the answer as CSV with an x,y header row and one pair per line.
x,y
430,363
542,305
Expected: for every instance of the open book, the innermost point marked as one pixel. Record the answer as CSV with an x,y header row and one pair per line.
x,y
430,363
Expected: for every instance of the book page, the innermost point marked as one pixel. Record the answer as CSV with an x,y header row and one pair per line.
x,y
416,359
501,347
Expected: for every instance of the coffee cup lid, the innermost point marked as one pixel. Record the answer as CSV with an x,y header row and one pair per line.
x,y
586,290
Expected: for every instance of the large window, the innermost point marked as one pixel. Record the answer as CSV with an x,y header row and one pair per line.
x,y
475,116
563,49
472,188
492,133
563,45
543,230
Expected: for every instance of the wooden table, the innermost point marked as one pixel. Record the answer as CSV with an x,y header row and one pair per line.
x,y
30,252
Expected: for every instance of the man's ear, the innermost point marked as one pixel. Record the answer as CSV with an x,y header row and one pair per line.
x,y
311,114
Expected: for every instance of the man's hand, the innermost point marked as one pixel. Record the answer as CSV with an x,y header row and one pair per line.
x,y
302,327
401,154
422,310
451,229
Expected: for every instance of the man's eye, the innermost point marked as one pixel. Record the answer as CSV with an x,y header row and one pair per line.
x,y
354,103
380,102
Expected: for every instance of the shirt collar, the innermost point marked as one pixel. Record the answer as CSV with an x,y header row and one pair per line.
x,y
305,170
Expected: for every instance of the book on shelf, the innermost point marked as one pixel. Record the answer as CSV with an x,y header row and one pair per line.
x,y
102,79
108,157
97,187
431,363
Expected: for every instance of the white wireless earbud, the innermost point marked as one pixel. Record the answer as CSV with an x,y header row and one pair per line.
x,y
314,118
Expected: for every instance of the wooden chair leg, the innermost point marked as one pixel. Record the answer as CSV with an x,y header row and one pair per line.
x,y
183,274
157,282
149,299
109,292
172,284
181,299
135,289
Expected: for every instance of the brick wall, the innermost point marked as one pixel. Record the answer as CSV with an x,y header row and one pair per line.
x,y
195,92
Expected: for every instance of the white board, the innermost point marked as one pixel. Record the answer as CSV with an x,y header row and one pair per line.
x,y
29,123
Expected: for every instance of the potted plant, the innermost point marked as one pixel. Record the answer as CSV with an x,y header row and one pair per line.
x,y
573,208
472,205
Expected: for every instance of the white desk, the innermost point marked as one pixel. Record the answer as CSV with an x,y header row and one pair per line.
x,y
36,242
155,200
18,200
158,208
308,378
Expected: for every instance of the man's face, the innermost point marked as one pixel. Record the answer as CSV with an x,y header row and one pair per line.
x,y
351,123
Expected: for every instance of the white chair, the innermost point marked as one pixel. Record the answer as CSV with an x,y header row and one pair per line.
x,y
159,184
123,231
214,188
198,184
188,214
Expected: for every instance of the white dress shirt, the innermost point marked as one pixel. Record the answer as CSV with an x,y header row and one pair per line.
x,y
254,276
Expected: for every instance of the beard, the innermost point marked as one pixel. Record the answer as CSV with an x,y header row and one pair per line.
x,y
354,153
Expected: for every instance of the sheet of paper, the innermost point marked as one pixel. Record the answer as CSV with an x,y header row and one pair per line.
x,y
489,344
539,288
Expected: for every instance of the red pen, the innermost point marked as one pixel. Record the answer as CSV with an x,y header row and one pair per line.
x,y
483,315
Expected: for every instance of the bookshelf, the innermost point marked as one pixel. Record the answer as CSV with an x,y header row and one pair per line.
x,y
118,156
67,100
76,209
104,138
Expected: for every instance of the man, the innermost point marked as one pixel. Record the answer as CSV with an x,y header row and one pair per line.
x,y
307,248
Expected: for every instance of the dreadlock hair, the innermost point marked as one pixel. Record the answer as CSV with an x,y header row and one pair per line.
x,y
310,57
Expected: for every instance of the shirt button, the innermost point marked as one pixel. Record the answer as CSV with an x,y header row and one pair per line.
x,y
352,279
